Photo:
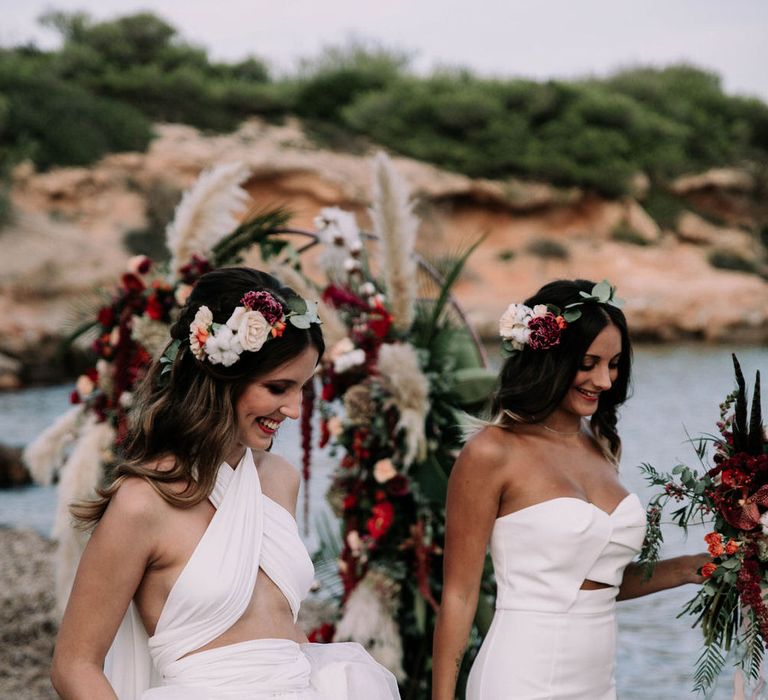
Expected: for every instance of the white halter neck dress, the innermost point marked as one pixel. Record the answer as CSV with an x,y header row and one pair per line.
x,y
249,532
550,639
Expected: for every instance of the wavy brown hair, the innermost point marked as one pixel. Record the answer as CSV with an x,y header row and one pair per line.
x,y
187,417
533,383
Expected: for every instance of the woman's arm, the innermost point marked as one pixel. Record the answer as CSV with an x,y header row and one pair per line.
x,y
474,490
668,573
110,571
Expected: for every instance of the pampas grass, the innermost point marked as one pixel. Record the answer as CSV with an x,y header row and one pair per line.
x,y
395,225
80,476
46,453
206,213
369,620
398,366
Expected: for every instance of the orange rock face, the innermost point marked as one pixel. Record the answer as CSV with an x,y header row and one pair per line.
x,y
67,239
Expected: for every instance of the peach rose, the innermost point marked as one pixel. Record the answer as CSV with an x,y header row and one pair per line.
x,y
708,569
384,470
199,333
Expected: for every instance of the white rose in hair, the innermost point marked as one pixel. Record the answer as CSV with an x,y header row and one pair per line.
x,y
253,330
223,348
513,324
540,310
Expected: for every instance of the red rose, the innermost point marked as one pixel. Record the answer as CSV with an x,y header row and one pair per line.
x,y
398,486
106,316
350,501
323,634
155,308
381,520
545,332
132,283
708,569
263,302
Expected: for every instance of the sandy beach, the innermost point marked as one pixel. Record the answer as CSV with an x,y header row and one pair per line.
x,y
28,618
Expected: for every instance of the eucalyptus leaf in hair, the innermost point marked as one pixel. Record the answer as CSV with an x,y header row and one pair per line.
x,y
304,312
169,356
602,293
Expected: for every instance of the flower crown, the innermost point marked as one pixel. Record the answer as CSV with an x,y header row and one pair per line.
x,y
542,326
259,318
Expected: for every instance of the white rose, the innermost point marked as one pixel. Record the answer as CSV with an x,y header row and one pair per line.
x,y
253,331
348,360
367,289
764,523
84,386
540,310
513,324
384,470
354,542
335,426
182,293
223,348
344,346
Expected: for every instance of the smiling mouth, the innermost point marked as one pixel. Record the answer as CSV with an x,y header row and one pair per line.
x,y
268,425
589,395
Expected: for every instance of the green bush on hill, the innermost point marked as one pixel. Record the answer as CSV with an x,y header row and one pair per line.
x,y
54,122
110,79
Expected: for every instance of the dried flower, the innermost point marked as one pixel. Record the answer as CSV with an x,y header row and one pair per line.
x,y
358,405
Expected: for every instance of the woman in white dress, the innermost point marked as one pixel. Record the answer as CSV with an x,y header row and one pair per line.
x,y
540,484
190,585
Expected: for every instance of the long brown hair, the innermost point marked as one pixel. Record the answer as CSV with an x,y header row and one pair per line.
x,y
533,383
187,417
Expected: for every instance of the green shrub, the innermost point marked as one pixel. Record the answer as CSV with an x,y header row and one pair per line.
x,y
338,76
725,259
624,233
58,123
547,248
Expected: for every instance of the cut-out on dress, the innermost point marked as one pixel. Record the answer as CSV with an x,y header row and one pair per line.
x,y
549,638
249,532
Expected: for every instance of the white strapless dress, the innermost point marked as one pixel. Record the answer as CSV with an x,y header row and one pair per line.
x,y
550,640
250,535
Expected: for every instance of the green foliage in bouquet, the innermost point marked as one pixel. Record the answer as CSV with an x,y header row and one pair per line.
x,y
732,498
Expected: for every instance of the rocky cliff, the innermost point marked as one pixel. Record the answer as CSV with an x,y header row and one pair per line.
x,y
71,228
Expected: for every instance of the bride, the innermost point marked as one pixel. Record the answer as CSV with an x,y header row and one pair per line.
x,y
191,582
540,484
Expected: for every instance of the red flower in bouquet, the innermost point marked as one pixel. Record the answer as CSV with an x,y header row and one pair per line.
x,y
383,515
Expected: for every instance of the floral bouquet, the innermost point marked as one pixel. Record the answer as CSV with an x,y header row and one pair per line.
x,y
732,497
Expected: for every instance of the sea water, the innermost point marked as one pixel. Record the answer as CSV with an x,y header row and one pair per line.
x,y
676,393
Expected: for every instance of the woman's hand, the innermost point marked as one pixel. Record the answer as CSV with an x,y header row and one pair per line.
x,y
691,567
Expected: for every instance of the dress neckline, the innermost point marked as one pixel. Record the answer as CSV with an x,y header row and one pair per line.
x,y
569,498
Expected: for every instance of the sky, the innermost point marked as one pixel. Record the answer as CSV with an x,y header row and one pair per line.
x,y
539,39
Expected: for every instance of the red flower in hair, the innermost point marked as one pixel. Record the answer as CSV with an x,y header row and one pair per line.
x,y
263,302
545,332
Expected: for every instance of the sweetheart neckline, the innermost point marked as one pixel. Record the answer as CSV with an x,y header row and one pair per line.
x,y
569,498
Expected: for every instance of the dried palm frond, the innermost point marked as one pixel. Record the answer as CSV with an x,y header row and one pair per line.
x,y
395,225
398,366
369,619
80,476
46,453
206,213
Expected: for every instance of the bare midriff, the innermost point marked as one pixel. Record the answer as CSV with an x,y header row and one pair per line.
x,y
268,616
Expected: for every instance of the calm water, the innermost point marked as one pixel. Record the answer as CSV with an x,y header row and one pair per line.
x,y
677,392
